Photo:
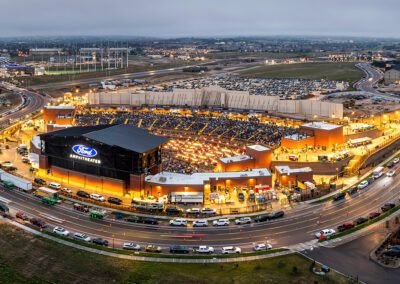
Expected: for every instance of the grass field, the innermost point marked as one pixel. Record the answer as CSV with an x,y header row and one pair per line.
x,y
269,55
25,258
343,71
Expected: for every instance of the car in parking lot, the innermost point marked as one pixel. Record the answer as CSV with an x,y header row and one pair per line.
x,y
353,190
390,164
193,211
373,215
221,222
361,220
61,231
114,200
203,249
230,250
38,222
97,197
81,207
81,237
131,246
396,160
387,207
179,249
261,218
276,214
200,223
260,247
243,220
345,227
390,173
22,216
39,181
153,248
178,222
54,185
133,219
173,210
83,194
100,242
66,190
150,220
339,196
363,184
208,211
325,233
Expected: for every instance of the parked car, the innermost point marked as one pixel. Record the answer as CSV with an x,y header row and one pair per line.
x,y
370,180
131,246
241,196
61,231
179,249
261,218
153,248
396,160
243,220
221,222
230,250
81,237
22,216
193,211
97,197
173,210
353,190
363,184
178,222
339,196
373,215
39,181
200,223
114,200
391,253
276,214
325,233
100,242
387,207
66,190
83,194
38,222
81,207
150,220
260,247
390,164
361,220
390,173
345,227
203,249
54,185
208,211
133,219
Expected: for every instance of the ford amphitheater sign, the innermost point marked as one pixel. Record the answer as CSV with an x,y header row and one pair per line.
x,y
84,153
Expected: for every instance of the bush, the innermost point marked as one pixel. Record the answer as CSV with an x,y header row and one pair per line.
x,y
281,264
294,270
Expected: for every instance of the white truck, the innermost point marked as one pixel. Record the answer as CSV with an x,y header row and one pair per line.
x,y
18,182
378,172
203,249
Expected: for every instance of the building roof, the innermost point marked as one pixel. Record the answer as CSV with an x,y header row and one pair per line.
x,y
286,170
258,147
169,178
297,137
234,159
121,135
60,107
321,125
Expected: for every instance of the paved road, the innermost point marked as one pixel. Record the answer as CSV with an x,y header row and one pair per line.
x,y
296,229
353,259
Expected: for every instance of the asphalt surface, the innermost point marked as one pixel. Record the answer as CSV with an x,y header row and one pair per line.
x,y
353,259
296,228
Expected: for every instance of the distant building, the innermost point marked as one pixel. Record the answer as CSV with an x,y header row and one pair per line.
x,y
392,75
45,51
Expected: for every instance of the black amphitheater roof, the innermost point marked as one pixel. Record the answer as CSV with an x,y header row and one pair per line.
x,y
121,135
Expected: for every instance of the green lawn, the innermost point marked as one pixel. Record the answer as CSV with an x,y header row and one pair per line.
x,y
343,71
25,258
269,55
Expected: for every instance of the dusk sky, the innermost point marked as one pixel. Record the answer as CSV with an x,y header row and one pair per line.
x,y
177,18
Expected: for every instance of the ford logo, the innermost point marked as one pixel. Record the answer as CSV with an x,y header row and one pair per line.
x,y
84,151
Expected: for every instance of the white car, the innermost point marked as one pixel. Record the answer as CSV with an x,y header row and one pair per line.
x,y
363,184
61,231
203,249
230,250
97,197
390,173
396,160
200,223
193,211
260,247
131,246
66,190
221,222
54,185
208,211
243,220
178,222
81,237
325,233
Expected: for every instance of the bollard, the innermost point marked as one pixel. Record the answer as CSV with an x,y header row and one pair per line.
x,y
241,230
201,239
320,215
249,236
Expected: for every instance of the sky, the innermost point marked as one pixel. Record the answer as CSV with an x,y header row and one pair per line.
x,y
200,18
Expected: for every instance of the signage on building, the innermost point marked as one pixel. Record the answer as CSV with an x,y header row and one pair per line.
x,y
84,151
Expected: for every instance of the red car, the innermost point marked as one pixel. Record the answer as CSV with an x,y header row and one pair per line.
x,y
38,222
22,216
345,226
81,207
374,215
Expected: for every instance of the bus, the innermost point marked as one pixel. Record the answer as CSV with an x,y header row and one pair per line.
x,y
47,192
378,172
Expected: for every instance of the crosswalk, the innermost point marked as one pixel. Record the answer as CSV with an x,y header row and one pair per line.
x,y
310,245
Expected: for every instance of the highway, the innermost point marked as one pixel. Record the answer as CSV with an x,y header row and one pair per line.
x,y
295,229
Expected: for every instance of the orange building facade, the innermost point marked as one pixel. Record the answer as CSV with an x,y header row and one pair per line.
x,y
58,114
286,176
